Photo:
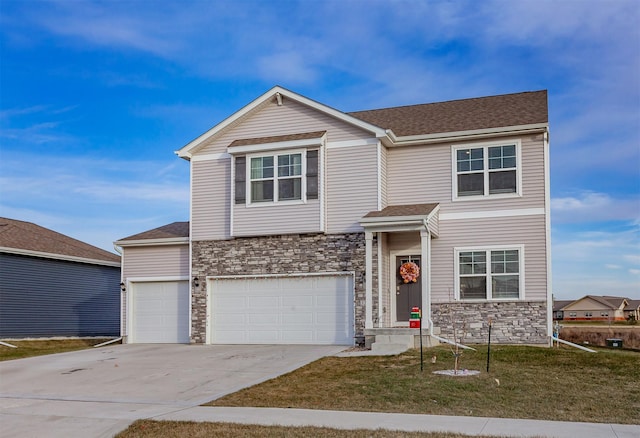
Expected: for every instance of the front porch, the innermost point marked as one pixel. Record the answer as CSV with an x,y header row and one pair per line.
x,y
397,339
402,235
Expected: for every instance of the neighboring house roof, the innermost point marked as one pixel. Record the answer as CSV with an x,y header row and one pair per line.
x,y
610,302
26,238
632,305
461,115
560,304
176,232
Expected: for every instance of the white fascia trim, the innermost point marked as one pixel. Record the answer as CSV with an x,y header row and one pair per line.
x,y
493,214
211,157
67,258
547,206
395,226
263,147
300,275
466,135
379,173
352,143
392,219
186,151
156,279
154,242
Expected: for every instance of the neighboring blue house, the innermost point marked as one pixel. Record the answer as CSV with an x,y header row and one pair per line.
x,y
53,285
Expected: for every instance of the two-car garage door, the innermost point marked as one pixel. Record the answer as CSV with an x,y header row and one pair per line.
x,y
282,310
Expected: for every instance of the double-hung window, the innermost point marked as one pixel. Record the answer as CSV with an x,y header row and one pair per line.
x,y
486,170
489,274
276,177
271,178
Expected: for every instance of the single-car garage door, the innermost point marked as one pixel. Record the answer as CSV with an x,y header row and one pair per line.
x,y
283,310
160,312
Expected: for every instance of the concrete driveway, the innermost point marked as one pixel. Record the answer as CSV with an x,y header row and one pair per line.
x,y
99,392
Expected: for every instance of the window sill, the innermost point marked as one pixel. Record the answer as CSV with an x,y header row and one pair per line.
x,y
486,197
276,203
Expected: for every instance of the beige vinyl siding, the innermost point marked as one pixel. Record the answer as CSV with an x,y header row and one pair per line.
x,y
276,219
290,118
431,179
383,176
210,199
522,230
156,261
351,186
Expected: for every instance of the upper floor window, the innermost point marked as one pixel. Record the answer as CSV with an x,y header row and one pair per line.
x,y
276,177
486,274
486,170
273,178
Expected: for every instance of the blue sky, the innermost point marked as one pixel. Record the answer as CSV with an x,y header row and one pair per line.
x,y
96,96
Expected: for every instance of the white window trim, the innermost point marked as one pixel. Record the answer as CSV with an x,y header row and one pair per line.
x,y
485,146
274,154
488,249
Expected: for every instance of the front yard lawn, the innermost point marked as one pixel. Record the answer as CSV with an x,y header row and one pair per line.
x,y
179,429
42,347
524,382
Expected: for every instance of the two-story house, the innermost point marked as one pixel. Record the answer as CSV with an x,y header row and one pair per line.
x,y
312,225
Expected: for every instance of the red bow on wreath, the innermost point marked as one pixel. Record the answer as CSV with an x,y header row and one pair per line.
x,y
409,272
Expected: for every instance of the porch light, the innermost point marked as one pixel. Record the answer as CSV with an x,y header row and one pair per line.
x,y
196,282
123,287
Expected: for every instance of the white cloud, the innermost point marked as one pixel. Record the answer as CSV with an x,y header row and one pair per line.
x,y
594,207
599,262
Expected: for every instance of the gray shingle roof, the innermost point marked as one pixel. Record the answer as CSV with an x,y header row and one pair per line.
x,y
173,230
403,210
461,115
27,236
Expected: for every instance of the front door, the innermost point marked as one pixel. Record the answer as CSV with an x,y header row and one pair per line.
x,y
409,294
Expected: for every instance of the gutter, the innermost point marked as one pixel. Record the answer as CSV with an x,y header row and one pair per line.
x,y
409,140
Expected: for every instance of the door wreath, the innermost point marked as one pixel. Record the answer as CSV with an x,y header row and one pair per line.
x,y
409,272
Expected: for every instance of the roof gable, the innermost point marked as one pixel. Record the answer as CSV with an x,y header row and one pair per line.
x,y
276,94
26,238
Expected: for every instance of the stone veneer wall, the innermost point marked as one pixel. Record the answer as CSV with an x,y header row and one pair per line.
x,y
518,322
283,254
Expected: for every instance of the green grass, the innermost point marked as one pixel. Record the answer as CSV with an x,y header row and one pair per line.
x,y
179,429
42,347
524,382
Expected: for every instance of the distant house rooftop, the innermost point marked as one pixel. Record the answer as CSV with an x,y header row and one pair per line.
x,y
26,238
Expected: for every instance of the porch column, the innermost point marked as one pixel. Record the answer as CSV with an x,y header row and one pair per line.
x,y
425,277
368,296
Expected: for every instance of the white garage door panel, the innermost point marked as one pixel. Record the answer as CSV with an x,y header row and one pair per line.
x,y
291,310
160,312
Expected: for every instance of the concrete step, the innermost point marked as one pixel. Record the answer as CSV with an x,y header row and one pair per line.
x,y
395,339
387,348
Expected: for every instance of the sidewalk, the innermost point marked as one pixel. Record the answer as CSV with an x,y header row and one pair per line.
x,y
404,422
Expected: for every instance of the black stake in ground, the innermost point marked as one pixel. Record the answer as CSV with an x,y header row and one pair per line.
x,y
489,346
